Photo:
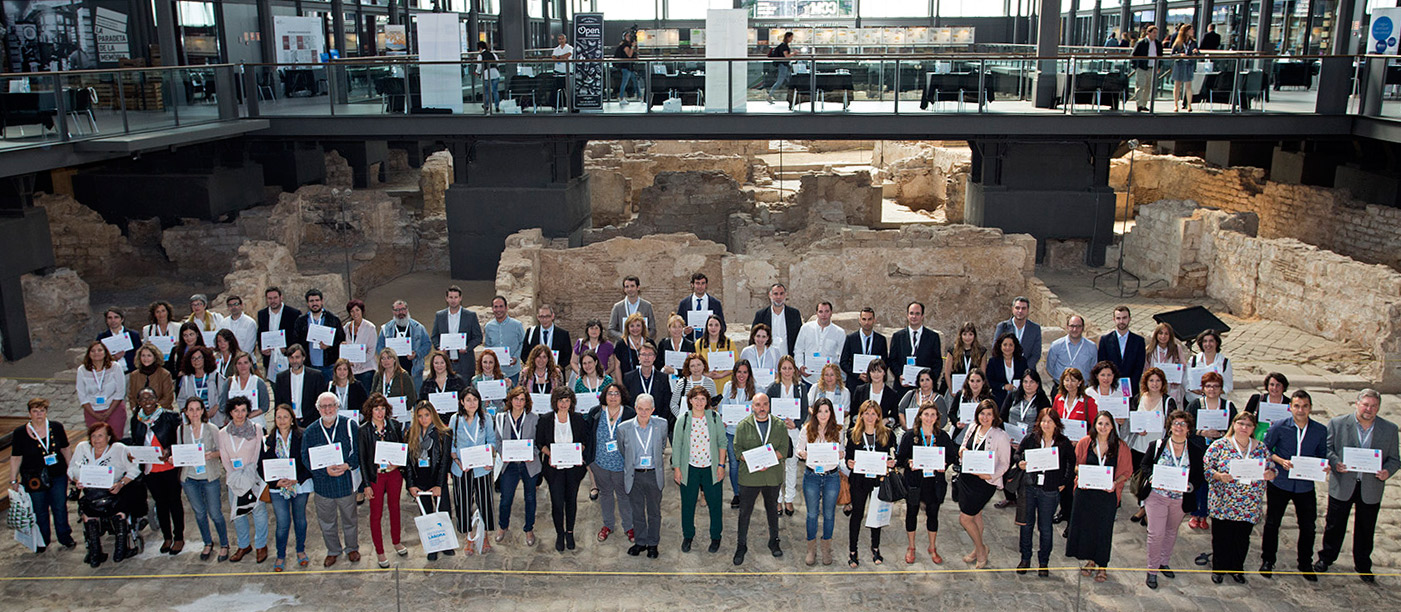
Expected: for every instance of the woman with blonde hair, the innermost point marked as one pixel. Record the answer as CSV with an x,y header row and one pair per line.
x,y
488,370
426,471
391,380
625,349
871,435
966,355
1168,355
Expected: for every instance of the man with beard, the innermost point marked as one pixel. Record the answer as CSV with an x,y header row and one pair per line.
x,y
403,326
320,354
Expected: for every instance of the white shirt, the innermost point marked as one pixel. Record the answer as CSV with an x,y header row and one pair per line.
x,y
779,337
454,321
245,330
562,431
296,380
813,338
274,318
914,340
565,49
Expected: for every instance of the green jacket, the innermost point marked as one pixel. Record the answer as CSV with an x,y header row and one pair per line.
x,y
747,437
681,442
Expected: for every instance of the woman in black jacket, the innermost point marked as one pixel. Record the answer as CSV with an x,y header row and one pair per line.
x,y
926,486
1040,490
380,481
430,455
1005,366
881,390
869,434
289,496
563,426
438,377
153,425
348,390
1165,507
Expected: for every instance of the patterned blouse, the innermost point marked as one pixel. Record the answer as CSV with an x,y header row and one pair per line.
x,y
1234,501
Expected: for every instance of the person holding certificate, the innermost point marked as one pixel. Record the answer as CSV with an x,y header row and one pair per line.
x,y
872,436
1276,388
829,385
1234,503
698,465
1019,414
607,465
426,471
591,378
761,451
1350,436
1208,360
642,442
786,387
1005,366
563,474
1168,355
675,342
360,332
963,406
966,355
761,353
1153,401
1091,527
514,428
1180,457
924,392
1076,412
1108,396
926,482
101,389
240,444
714,341
985,455
594,342
289,495
198,381
190,337
107,503
381,482
822,446
1048,458
1302,438
692,375
392,380
737,392
882,391
159,315
330,451
489,369
154,426
440,378
150,373
1207,411
246,383
203,483
541,374
472,487
347,389
626,350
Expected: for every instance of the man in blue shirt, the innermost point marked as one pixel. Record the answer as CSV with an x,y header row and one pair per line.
x,y
1286,440
334,484
503,330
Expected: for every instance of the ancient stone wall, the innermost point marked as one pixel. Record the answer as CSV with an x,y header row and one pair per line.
x,y
698,202
433,181
1167,242
262,264
96,250
56,308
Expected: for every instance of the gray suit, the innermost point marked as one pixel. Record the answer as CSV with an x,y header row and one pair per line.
x,y
632,450
464,366
1030,340
620,314
644,495
1342,432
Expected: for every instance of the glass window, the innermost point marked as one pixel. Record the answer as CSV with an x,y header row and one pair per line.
x,y
693,9
900,8
969,8
627,10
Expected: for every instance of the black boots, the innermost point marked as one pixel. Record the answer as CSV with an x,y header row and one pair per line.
x,y
121,549
92,536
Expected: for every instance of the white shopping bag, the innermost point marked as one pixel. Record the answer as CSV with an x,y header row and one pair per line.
x,y
435,532
477,534
510,107
277,364
878,512
671,105
21,519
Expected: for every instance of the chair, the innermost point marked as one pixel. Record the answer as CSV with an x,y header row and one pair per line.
x,y
1252,86
80,102
265,88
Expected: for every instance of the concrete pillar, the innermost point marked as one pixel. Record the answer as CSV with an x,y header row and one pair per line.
x,y
1160,16
1262,28
1069,35
1097,33
513,29
266,33
1204,17
338,26
165,32
1046,47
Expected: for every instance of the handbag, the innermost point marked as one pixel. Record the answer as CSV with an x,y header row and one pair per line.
x,y
38,482
893,488
878,511
1012,479
953,484
844,494
435,532
1141,482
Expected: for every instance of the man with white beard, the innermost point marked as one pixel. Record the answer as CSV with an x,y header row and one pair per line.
x,y
403,326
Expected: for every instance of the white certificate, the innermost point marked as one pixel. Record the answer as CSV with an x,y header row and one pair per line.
x,y
584,402
870,463
444,402
94,476
352,415
275,339
1247,470
957,381
910,415
1115,405
966,412
1194,377
401,345
279,469
391,453
763,377
119,343
164,344
1217,420
516,451
785,408
566,454
316,335
721,361
861,363
325,456
354,353
1015,431
209,338
399,405
1146,422
1075,429
493,389
732,414
1042,459
187,455
822,457
452,342
1094,476
928,458
478,456
1362,460
503,354
910,374
144,454
1309,468
760,457
1170,478
1271,412
979,462
675,359
696,319
540,403
1173,371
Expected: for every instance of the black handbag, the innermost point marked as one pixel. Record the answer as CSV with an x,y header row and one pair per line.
x,y
893,489
1012,478
38,482
953,484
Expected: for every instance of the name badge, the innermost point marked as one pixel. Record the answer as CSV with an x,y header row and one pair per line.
x,y
644,462
909,361
238,464
100,401
423,463
51,459
817,469
199,469
611,446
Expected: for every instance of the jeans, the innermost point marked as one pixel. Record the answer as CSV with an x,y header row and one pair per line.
x,y
734,464
1305,509
629,77
206,504
1201,506
290,512
1040,509
785,72
259,527
366,379
700,480
493,93
517,473
53,501
820,491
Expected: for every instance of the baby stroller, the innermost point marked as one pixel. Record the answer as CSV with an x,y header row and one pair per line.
x,y
107,509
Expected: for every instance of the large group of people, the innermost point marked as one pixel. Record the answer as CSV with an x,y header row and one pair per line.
x,y
291,407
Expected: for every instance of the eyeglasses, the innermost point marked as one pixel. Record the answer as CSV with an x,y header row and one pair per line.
x,y
1177,423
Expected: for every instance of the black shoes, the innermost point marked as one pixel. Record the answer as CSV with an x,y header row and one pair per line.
x,y
1320,567
449,552
1369,579
1058,518
1238,577
1267,569
1167,571
1308,573
636,549
739,555
1217,578
432,556
734,502
569,541
686,545
559,542
1043,572
652,552
1021,567
773,547
714,547
1152,581
1202,559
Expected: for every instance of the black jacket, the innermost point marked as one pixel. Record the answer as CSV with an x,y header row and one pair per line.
x,y
578,428
1141,50
1064,475
1196,473
792,322
287,323
355,396
270,452
661,388
366,438
996,372
853,445
853,347
430,385
298,335
905,454
889,402
927,354
439,464
166,429
313,384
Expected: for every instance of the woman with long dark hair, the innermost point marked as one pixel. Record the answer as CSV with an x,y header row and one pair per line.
x,y
1091,528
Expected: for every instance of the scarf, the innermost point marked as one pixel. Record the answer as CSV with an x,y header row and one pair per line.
x,y
247,431
150,370
154,416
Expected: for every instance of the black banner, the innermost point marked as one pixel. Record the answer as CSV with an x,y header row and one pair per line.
x,y
588,45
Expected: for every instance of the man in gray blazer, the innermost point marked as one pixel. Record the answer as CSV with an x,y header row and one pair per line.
x,y
631,304
1028,334
1362,429
458,320
641,441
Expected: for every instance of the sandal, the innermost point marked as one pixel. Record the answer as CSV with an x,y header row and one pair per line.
x,y
934,556
910,555
973,556
401,550
875,556
852,561
303,560
278,565
469,550
1101,575
1085,571
486,547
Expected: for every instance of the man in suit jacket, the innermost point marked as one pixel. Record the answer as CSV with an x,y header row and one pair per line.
x,y
631,303
647,379
299,386
864,341
276,316
1211,41
458,320
700,300
641,441
1123,348
916,341
1362,429
789,320
548,334
1028,333
320,356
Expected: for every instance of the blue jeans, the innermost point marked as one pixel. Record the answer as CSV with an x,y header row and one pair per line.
x,y
260,526
785,72
823,487
53,501
630,77
734,464
205,503
516,473
1201,505
290,512
1040,509
492,93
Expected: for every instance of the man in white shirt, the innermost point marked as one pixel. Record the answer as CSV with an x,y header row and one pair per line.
x,y
276,316
562,51
819,342
457,320
244,328
632,303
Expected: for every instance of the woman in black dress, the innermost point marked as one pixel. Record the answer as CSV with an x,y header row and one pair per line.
x,y
974,490
1091,536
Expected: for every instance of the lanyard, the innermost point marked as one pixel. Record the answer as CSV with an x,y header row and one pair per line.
x,y
1299,440
1364,441
473,436
1078,346
612,424
320,317
515,427
237,446
1181,459
763,435
195,438
1160,355
869,441
44,442
645,444
100,379
646,382
928,440
243,386
341,392
386,383
1023,406
1101,454
594,390
967,364
1249,446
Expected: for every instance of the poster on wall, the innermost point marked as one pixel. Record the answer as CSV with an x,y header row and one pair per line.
x,y
112,43
46,35
439,40
1384,31
588,45
299,40
396,40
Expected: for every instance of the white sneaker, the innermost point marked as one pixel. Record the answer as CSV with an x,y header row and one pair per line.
x,y
625,101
